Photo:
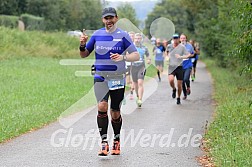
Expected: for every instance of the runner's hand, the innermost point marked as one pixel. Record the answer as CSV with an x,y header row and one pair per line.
x,y
116,57
178,56
83,38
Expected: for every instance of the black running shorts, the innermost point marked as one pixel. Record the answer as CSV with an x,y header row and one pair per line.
x,y
195,63
102,93
178,72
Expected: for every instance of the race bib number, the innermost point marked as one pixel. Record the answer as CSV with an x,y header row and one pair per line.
x,y
193,60
114,84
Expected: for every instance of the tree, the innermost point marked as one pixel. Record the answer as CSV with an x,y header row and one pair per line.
x,y
172,10
222,27
128,12
9,7
84,14
22,6
67,14
58,15
242,14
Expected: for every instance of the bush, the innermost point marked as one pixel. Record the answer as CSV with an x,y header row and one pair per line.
x,y
243,34
9,21
33,22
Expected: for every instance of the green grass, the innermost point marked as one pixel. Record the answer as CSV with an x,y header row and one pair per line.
x,y
16,43
34,88
35,91
230,134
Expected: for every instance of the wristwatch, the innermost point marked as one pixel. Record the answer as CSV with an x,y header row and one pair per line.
x,y
124,57
82,48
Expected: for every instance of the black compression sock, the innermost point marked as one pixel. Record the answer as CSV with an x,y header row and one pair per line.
x,y
117,124
102,121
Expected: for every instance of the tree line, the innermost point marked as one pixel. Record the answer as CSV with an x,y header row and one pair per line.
x,y
65,14
59,14
222,27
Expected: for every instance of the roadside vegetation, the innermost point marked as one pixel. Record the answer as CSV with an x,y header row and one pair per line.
x,y
223,30
35,88
229,137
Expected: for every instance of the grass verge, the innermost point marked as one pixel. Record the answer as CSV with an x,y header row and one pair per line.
x,y
35,91
229,137
34,88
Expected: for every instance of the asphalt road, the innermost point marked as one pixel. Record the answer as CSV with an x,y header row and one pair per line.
x,y
161,133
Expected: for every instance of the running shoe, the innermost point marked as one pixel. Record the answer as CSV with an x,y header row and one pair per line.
x,y
173,93
104,149
139,103
193,78
185,97
178,101
116,148
188,91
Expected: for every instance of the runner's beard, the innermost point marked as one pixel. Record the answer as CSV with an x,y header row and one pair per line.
x,y
137,43
110,26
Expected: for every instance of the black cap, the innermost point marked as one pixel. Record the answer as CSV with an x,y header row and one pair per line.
x,y
175,36
109,11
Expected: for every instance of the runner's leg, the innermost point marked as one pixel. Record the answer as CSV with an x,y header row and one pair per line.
x,y
171,81
187,80
116,99
102,94
140,89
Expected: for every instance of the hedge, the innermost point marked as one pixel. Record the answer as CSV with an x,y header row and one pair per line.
x,y
33,22
9,21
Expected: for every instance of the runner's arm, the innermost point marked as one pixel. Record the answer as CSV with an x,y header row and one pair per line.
x,y
134,56
164,52
197,51
147,55
167,53
185,54
84,54
86,49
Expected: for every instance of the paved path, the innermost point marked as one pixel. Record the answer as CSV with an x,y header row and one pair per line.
x,y
161,133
